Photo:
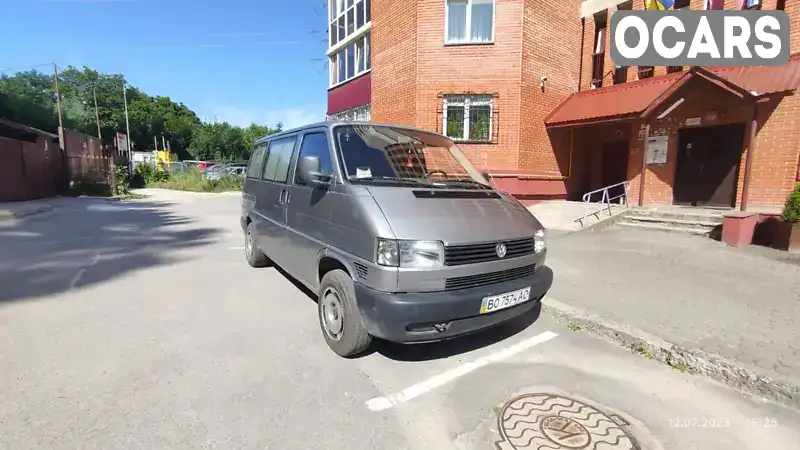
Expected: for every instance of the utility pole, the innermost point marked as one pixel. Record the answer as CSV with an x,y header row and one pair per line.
x,y
155,143
127,123
58,102
97,115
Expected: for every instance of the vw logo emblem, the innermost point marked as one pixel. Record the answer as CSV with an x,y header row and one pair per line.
x,y
500,250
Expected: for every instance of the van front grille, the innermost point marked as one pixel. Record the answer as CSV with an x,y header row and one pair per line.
x,y
456,255
485,279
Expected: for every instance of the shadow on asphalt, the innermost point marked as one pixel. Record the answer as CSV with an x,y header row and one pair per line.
x,y
443,349
89,243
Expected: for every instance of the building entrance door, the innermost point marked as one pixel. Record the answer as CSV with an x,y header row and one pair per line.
x,y
708,166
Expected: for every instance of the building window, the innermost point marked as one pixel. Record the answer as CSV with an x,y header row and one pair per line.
x,y
468,117
646,72
714,4
751,4
674,69
469,21
351,61
346,18
681,4
620,75
598,56
358,113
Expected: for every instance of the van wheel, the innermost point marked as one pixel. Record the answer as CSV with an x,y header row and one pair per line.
x,y
339,316
255,257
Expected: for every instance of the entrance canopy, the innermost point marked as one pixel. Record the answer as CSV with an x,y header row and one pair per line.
x,y
637,99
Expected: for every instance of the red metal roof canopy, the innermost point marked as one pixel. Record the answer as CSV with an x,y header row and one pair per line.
x,y
628,100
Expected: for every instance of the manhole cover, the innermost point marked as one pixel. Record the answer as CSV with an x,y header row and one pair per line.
x,y
547,421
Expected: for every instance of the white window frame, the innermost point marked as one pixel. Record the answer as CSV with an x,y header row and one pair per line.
x,y
468,40
466,101
343,60
357,32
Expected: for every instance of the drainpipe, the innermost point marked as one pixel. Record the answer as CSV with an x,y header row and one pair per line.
x,y
644,165
748,163
580,60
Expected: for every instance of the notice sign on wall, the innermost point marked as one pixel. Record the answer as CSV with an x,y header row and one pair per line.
x,y
656,152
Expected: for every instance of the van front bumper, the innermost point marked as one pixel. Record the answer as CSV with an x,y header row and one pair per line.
x,y
410,317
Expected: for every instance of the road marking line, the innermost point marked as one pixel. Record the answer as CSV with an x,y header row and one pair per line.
x,y
236,248
391,400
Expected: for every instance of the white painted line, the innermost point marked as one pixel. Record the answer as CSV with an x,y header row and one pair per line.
x,y
236,248
382,403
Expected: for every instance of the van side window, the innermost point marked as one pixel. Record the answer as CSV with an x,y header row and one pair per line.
x,y
256,161
280,156
316,144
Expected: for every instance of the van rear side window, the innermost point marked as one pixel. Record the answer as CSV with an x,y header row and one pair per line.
x,y
256,161
278,159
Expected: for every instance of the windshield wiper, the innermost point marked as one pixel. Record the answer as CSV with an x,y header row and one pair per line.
x,y
393,179
462,182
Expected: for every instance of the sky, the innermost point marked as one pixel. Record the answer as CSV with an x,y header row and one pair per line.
x,y
239,61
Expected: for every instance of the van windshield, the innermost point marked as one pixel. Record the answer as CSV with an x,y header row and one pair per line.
x,y
392,155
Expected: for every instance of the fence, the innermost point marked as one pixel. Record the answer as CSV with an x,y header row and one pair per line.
x,y
31,170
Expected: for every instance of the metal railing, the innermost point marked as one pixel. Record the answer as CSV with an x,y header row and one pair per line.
x,y
606,200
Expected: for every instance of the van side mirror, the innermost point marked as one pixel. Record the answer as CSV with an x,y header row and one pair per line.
x,y
308,170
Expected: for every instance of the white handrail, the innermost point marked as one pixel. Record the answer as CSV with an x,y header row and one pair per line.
x,y
605,199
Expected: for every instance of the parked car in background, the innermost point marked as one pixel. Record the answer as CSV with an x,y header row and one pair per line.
x,y
400,236
204,165
229,170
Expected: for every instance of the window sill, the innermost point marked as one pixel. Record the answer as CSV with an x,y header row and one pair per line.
x,y
460,141
466,44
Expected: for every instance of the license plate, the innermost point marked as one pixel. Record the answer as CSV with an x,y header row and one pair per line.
x,y
507,300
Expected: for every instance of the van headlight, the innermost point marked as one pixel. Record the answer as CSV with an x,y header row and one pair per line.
x,y
539,241
410,254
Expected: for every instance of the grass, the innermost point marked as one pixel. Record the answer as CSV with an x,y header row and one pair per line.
x,y
194,181
574,326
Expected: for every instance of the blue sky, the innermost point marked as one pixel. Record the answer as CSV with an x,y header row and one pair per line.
x,y
234,60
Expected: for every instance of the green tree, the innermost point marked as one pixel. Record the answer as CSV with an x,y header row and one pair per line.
x,y
29,98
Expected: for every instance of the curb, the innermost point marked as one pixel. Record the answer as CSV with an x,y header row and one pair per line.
x,y
603,224
732,373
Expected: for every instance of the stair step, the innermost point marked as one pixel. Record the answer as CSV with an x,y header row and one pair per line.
x,y
651,226
695,216
668,220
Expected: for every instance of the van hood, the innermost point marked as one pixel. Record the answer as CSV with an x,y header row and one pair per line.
x,y
454,217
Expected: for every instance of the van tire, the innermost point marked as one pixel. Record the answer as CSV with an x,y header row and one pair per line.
x,y
252,252
354,339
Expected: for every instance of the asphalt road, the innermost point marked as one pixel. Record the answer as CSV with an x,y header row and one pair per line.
x,y
140,325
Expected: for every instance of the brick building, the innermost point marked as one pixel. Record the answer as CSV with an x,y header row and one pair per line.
x,y
528,90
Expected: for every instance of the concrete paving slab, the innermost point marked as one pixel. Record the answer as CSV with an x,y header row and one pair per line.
x,y
734,313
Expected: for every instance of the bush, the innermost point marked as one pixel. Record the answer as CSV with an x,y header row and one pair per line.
x,y
791,210
89,188
193,180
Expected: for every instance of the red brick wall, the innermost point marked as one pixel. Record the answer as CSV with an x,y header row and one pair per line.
x,y
412,66
551,39
394,61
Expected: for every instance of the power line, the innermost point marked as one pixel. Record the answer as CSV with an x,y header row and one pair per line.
x,y
19,69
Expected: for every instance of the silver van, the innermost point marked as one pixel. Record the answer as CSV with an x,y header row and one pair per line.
x,y
400,236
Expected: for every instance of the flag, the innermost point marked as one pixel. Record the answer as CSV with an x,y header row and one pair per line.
x,y
658,5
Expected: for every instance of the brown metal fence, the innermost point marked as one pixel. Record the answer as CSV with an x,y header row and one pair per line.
x,y
30,170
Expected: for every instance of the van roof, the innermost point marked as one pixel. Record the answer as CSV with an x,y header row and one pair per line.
x,y
333,123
